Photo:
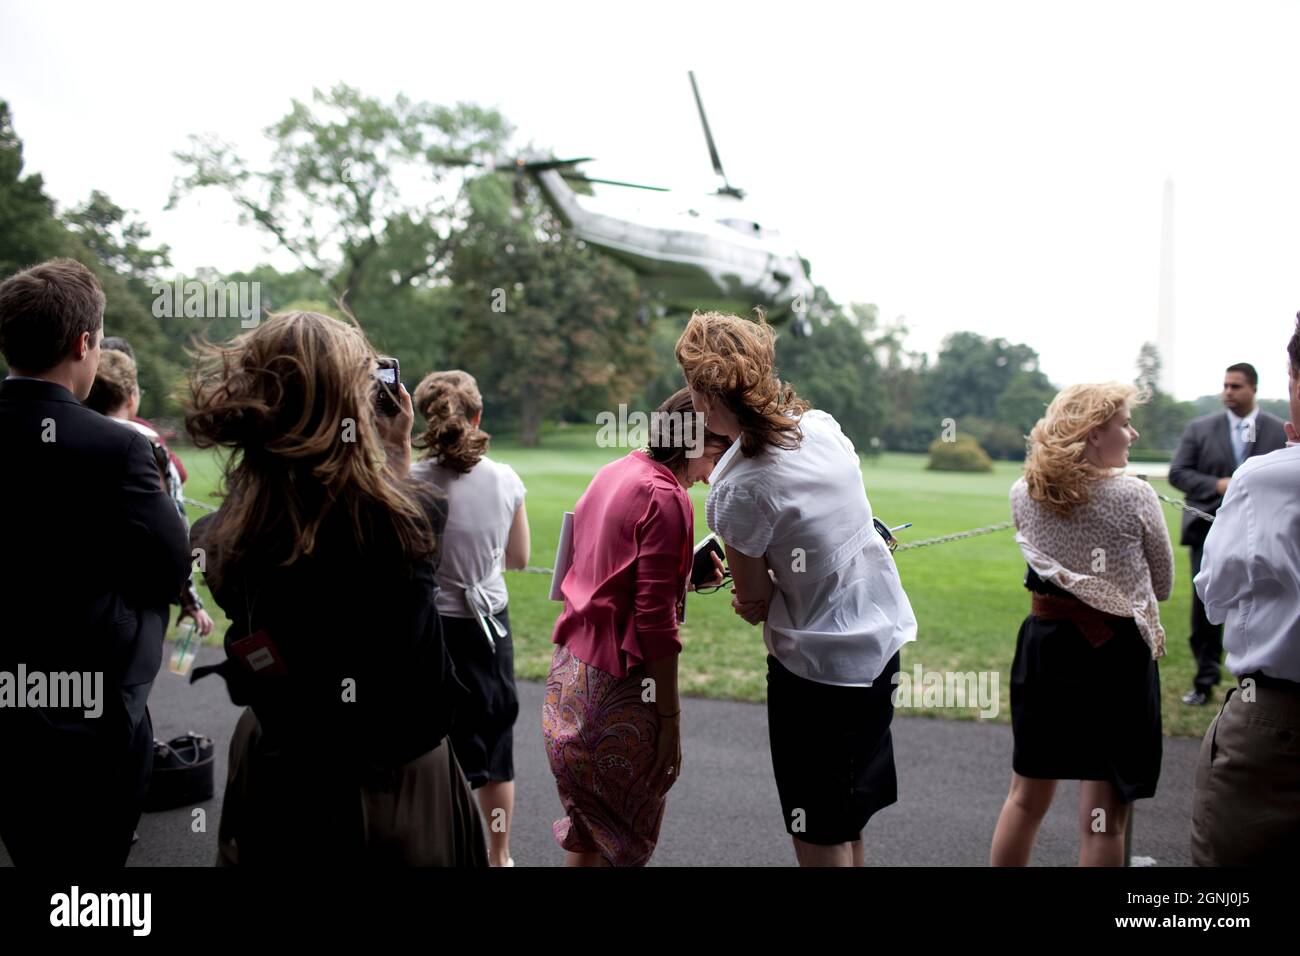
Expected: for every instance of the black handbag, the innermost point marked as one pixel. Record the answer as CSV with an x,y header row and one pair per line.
x,y
182,773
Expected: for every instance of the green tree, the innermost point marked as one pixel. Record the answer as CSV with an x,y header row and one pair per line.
x,y
543,322
350,177
1159,418
30,232
118,242
973,372
835,368
904,376
991,387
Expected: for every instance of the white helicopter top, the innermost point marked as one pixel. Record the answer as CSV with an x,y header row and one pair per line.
x,y
713,254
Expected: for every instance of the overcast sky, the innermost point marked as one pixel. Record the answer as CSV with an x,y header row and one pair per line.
x,y
992,166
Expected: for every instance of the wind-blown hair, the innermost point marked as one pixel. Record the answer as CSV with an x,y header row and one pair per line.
x,y
734,360
1057,470
675,432
293,402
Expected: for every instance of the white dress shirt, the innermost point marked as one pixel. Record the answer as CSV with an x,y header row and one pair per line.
x,y
839,612
1235,421
1250,573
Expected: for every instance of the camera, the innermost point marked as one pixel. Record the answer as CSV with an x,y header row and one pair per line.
x,y
387,387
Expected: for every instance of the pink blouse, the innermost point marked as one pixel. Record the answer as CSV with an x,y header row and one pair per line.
x,y
631,561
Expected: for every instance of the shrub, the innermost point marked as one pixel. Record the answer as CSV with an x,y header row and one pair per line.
x,y
964,454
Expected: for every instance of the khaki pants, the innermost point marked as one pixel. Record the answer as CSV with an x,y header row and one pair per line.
x,y
1246,801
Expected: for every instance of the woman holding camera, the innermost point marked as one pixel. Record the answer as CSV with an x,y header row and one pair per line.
x,y
612,718
787,498
1099,561
324,555
487,529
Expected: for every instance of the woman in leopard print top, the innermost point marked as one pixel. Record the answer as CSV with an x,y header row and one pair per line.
x,y
1085,689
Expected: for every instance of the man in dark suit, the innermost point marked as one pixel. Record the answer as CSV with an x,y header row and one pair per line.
x,y
94,551
1211,449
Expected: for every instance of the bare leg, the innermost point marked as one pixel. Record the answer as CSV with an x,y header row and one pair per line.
x,y
811,854
859,856
1102,821
583,859
494,796
1022,814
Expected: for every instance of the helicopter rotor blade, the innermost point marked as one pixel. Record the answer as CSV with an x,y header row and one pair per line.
x,y
713,147
579,178
543,164
708,133
500,165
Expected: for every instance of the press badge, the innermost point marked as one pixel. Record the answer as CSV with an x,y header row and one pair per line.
x,y
259,654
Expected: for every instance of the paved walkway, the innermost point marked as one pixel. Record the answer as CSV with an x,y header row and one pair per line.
x,y
953,776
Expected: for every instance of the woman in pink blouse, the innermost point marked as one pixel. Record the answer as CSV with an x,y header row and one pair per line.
x,y
611,717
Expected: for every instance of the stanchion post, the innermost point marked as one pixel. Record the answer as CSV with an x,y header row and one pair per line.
x,y
1128,835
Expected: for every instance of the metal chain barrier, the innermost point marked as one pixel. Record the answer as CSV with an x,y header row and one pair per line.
x,y
1185,507
957,536
941,539
902,546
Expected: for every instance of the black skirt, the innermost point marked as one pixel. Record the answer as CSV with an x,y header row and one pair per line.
x,y
482,731
832,752
1080,712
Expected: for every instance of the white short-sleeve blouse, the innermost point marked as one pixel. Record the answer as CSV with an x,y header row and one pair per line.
x,y
481,506
839,612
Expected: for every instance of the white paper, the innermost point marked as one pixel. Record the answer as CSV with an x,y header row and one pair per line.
x,y
563,556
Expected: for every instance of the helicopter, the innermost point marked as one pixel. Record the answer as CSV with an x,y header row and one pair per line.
x,y
713,254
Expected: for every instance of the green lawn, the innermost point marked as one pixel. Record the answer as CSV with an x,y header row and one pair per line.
x,y
967,594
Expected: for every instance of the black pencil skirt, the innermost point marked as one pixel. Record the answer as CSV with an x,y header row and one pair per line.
x,y
832,753
1080,712
483,729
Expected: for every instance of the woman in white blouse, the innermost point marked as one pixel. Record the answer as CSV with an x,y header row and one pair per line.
x,y
787,500
1085,689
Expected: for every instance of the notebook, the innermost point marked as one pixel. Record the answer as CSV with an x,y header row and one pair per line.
x,y
702,569
563,556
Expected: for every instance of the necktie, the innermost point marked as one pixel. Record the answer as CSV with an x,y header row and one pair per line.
x,y
1239,444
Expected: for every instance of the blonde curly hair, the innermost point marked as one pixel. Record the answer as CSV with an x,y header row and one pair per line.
x,y
1057,469
734,360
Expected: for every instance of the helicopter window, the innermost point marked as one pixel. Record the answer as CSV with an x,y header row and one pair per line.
x,y
743,225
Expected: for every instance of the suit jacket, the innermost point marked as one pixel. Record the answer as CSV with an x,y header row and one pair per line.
x,y
93,553
1205,455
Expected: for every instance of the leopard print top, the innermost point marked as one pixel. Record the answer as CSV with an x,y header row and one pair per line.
x,y
1112,553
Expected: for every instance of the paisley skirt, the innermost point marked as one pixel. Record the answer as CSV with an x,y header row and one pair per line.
x,y
601,741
